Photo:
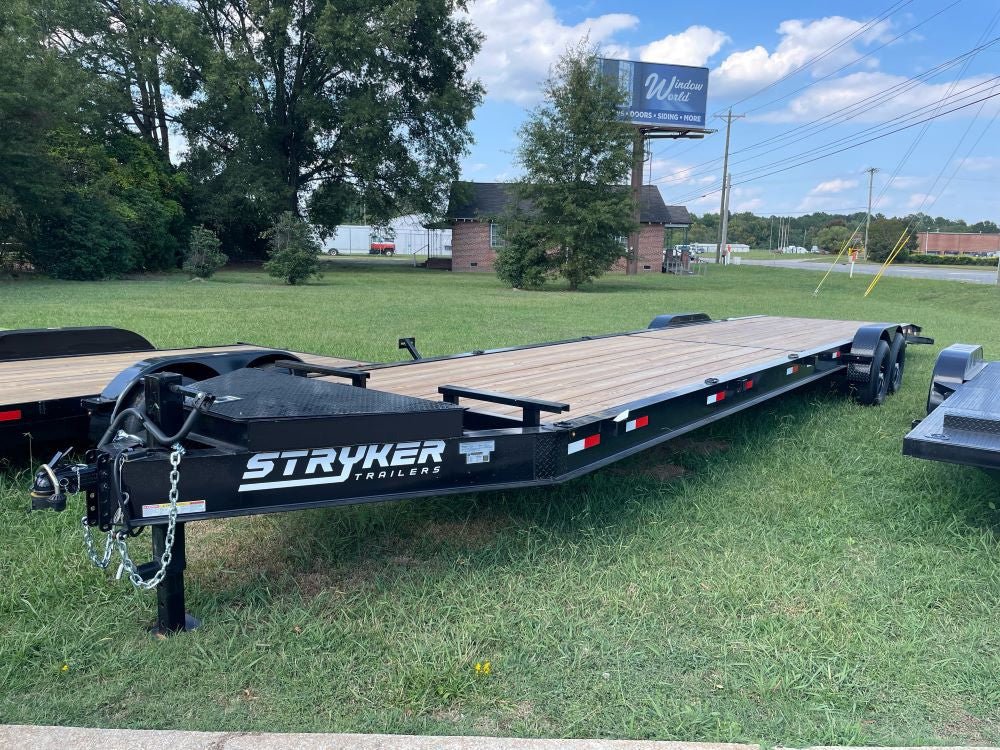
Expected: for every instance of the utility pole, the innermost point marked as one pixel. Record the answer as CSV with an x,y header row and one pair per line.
x,y
638,159
868,220
770,234
724,217
724,202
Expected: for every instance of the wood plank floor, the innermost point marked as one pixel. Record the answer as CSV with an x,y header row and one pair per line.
x,y
588,375
603,373
70,377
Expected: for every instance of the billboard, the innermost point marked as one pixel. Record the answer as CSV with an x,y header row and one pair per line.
x,y
657,94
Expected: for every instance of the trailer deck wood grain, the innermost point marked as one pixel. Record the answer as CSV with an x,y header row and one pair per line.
x,y
603,373
25,381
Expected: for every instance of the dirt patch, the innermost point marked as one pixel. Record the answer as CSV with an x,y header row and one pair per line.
x,y
472,532
236,549
961,726
665,472
662,472
698,447
452,715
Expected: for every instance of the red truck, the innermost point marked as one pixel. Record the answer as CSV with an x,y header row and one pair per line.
x,y
382,248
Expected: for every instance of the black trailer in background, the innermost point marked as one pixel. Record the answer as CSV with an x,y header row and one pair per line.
x,y
60,385
962,425
301,435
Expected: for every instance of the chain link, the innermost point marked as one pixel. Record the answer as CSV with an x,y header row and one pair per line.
x,y
116,538
88,540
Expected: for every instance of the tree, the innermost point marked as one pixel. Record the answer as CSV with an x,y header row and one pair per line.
x,y
293,250
570,212
203,257
884,235
314,106
126,45
833,238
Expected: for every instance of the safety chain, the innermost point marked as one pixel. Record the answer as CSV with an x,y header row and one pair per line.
x,y
116,538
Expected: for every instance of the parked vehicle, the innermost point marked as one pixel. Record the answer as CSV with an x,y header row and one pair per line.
x,y
382,248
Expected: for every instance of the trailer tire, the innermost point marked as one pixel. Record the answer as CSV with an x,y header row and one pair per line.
x,y
874,390
897,362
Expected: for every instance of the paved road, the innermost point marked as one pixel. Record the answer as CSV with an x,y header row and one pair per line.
x,y
870,269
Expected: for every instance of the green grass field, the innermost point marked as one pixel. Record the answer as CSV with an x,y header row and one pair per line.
x,y
785,576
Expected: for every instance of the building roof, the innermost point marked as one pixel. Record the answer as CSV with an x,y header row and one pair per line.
x,y
476,201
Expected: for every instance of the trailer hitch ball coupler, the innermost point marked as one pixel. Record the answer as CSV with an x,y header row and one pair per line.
x,y
46,494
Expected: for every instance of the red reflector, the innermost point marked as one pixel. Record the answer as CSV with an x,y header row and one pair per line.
x,y
10,416
591,441
641,421
749,384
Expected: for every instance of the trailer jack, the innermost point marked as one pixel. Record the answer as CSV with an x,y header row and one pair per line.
x,y
165,572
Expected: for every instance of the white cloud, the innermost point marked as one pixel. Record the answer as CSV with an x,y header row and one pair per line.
x,y
918,201
833,186
980,163
801,41
693,46
838,94
524,38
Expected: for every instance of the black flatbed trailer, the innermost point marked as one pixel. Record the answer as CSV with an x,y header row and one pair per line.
x,y
301,435
56,384
962,425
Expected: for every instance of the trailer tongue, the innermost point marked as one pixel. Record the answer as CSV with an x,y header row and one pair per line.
x,y
304,436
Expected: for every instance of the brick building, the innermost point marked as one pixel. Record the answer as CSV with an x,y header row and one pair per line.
x,y
475,234
958,243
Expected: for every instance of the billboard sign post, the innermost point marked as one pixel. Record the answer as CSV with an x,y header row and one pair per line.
x,y
658,95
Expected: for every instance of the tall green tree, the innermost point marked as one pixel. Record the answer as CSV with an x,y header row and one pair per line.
x,y
884,235
575,154
315,106
833,238
126,45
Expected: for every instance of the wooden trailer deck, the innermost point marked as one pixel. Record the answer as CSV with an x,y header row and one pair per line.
x,y
604,373
25,381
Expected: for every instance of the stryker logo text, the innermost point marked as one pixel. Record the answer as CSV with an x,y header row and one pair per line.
x,y
302,468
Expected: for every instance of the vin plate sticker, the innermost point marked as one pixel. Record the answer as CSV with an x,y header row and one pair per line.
x,y
163,509
477,453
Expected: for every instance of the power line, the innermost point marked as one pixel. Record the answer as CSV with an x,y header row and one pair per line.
x,y
830,50
857,59
870,140
950,98
844,114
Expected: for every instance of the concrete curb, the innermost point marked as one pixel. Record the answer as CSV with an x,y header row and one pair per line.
x,y
16,737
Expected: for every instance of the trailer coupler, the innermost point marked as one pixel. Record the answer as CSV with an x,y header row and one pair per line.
x,y
58,478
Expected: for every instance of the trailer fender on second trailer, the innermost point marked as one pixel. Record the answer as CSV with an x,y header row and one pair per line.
x,y
61,384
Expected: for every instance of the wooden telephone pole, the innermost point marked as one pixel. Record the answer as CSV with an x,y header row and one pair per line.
x,y
724,203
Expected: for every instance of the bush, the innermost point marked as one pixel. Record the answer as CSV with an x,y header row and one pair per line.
x,y
952,260
203,257
84,239
293,249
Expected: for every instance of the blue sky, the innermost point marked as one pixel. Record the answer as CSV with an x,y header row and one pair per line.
x,y
750,46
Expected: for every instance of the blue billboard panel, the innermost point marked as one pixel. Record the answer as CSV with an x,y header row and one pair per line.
x,y
657,94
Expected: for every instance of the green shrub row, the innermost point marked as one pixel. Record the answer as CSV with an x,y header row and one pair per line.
x,y
950,260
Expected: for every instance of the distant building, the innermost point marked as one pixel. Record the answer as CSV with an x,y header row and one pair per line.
x,y
958,243
409,233
475,206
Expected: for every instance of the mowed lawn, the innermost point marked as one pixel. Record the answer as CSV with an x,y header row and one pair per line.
x,y
785,576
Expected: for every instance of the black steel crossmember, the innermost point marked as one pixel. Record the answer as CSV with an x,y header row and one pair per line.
x,y
531,407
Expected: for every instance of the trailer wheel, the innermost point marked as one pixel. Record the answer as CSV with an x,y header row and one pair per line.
x,y
874,390
897,361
